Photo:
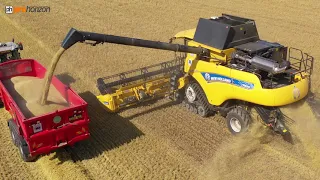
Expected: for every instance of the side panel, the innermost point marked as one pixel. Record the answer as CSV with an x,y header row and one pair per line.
x,y
221,83
251,90
214,80
17,68
67,93
186,34
52,139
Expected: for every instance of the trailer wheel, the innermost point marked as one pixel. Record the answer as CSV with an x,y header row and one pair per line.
x,y
13,132
24,151
238,120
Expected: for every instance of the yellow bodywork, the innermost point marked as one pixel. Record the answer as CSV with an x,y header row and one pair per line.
x,y
234,84
227,87
188,34
220,83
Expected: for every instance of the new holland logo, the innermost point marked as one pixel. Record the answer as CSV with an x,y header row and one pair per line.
x,y
210,78
207,76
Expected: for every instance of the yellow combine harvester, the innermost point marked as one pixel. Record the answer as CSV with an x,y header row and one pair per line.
x,y
225,68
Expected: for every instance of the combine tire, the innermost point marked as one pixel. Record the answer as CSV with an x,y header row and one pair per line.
x,y
238,120
1,104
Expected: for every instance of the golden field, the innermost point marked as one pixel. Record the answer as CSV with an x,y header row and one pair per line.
x,y
161,140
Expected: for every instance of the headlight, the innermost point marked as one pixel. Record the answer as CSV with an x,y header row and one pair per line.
x,y
57,119
105,103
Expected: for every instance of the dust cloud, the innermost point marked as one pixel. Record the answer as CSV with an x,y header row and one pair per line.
x,y
263,154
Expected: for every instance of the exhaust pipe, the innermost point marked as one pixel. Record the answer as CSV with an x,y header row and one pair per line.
x,y
265,64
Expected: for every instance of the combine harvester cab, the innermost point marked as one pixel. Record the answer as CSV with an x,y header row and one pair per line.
x,y
40,134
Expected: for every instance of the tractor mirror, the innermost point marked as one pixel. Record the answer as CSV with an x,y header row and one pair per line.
x,y
20,46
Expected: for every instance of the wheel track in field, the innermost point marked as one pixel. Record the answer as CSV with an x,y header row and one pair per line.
x,y
289,159
294,159
83,151
114,121
188,129
194,130
78,160
10,158
200,135
279,155
136,164
109,129
102,142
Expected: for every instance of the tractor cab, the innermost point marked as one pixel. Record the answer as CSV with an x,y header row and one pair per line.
x,y
10,51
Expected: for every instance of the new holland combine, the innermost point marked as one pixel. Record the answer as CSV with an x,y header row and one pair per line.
x,y
224,67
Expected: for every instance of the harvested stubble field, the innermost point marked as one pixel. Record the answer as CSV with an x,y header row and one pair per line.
x,y
162,140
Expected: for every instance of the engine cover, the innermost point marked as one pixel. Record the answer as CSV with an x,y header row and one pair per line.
x,y
257,47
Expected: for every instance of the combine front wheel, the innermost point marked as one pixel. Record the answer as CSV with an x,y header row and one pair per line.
x,y
238,120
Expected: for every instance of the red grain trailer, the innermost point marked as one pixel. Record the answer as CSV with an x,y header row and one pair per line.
x,y
43,133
